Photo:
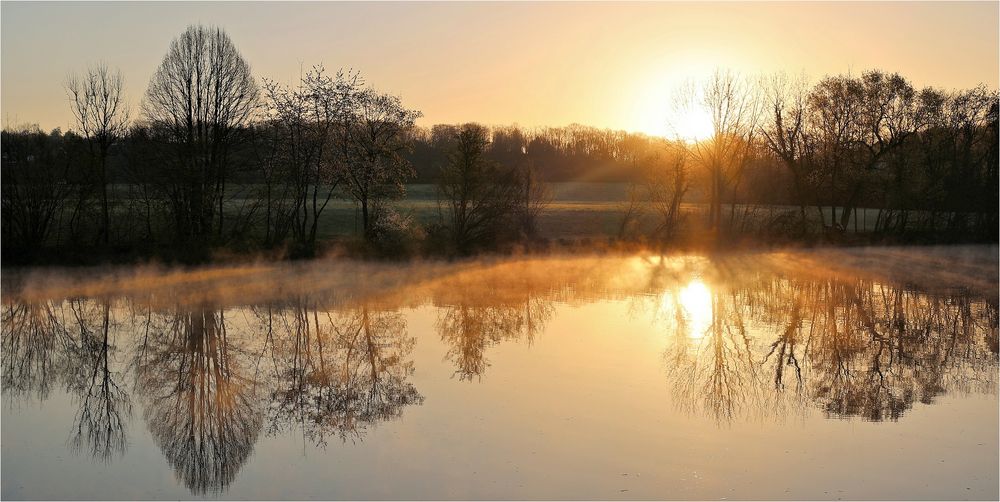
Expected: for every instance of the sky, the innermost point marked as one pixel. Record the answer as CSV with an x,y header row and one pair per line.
x,y
609,65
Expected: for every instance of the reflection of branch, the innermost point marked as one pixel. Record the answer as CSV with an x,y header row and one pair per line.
x,y
785,344
720,372
471,328
344,378
201,412
870,350
100,422
31,337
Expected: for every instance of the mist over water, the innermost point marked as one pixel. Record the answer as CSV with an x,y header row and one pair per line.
x,y
854,373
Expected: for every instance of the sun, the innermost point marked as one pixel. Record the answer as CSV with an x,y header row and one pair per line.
x,y
691,124
659,112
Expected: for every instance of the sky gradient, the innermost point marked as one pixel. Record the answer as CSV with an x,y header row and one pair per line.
x,y
534,64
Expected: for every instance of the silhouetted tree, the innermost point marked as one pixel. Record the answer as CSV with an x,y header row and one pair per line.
x,y
734,105
665,181
34,188
375,138
98,103
201,97
307,124
784,131
534,195
480,195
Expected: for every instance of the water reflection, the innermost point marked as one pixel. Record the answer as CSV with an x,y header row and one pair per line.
x,y
742,338
695,301
342,374
104,405
30,335
852,347
471,323
200,404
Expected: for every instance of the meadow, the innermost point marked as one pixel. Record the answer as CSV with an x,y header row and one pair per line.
x,y
577,210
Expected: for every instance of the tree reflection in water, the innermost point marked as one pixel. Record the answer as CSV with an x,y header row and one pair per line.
x,y
851,347
105,407
32,334
750,338
471,324
342,374
201,408
69,344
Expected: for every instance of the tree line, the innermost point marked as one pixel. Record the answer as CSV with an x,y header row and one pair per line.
x,y
217,158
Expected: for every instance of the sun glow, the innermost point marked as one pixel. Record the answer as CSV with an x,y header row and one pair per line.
x,y
657,113
696,304
691,124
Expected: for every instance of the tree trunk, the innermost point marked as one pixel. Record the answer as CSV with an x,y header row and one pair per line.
x,y
106,226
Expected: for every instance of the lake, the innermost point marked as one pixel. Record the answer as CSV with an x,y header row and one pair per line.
x,y
819,374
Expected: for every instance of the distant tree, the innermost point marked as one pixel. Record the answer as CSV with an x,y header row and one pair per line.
x,y
835,108
34,187
666,181
509,145
306,124
371,151
533,196
784,132
98,104
570,153
481,196
202,97
734,106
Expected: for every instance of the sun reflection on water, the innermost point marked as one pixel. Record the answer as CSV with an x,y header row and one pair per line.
x,y
696,304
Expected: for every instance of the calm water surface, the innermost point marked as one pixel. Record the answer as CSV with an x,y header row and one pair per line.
x,y
853,374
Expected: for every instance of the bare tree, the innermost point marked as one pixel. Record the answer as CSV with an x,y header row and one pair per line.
x,y
666,180
34,171
889,116
98,103
835,107
203,95
374,168
734,106
535,195
481,196
303,122
784,130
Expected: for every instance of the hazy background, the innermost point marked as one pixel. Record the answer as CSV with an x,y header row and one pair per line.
x,y
601,64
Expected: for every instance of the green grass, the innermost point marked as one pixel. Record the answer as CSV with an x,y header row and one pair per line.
x,y
576,210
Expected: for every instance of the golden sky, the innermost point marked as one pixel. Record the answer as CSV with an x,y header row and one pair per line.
x,y
601,64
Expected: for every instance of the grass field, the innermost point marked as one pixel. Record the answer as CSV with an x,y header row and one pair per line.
x,y
577,210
